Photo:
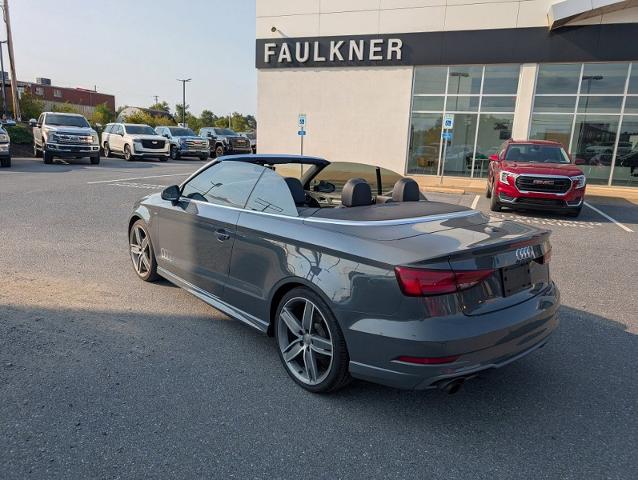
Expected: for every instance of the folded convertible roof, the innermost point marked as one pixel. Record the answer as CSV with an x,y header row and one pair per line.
x,y
272,159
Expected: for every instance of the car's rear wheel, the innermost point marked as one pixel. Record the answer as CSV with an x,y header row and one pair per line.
x,y
36,152
174,153
127,153
142,253
495,206
107,150
311,345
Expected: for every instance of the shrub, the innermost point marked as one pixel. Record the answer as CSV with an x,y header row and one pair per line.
x,y
20,134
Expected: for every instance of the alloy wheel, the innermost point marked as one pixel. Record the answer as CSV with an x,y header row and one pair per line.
x,y
140,251
127,153
305,341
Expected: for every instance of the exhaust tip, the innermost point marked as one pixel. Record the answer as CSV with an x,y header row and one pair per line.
x,y
451,386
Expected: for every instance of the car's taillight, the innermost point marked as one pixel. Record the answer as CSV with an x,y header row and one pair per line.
x,y
420,282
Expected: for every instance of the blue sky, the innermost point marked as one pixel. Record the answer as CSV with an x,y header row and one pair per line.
x,y
135,49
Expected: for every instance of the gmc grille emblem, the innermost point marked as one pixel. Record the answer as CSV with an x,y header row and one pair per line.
x,y
543,182
524,253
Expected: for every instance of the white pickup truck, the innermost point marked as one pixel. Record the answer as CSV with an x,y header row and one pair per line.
x,y
64,135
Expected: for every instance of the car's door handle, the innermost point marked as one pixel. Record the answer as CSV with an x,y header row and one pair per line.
x,y
222,235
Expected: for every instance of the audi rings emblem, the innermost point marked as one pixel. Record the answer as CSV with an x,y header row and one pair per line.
x,y
524,253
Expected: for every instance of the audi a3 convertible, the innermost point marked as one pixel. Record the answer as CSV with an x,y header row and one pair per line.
x,y
352,270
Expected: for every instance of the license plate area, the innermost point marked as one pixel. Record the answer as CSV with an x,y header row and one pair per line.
x,y
516,278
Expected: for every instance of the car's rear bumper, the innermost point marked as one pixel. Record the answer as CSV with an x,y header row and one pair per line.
x,y
504,336
69,151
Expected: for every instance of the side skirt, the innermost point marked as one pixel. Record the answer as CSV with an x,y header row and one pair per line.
x,y
215,302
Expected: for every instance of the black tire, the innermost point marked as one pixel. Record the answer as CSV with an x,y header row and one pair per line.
x,y
95,159
47,157
335,374
219,151
107,150
5,162
203,156
163,159
495,206
488,189
175,153
148,274
575,213
36,152
128,156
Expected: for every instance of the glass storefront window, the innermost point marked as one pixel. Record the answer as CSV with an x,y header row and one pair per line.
x,y
633,79
593,145
557,128
460,150
603,78
498,104
501,79
425,142
555,104
626,167
464,80
430,80
427,104
558,78
599,104
492,132
631,105
462,104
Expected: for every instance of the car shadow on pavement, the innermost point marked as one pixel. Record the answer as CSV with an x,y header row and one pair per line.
x,y
86,392
36,165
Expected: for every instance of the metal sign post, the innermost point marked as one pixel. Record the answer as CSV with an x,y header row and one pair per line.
x,y
301,123
446,135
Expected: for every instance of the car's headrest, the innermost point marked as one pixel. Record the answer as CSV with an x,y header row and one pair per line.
x,y
406,190
296,188
356,192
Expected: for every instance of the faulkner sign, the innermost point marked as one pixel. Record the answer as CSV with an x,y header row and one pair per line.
x,y
587,43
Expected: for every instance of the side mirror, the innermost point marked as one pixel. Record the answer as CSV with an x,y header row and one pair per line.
x,y
33,122
171,194
493,158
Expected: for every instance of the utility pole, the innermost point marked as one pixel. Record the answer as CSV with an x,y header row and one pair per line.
x,y
4,96
14,82
156,97
184,81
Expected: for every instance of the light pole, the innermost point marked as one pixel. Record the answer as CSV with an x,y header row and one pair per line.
x,y
4,96
184,81
14,81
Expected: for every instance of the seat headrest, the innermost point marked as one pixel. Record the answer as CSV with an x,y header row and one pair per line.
x,y
356,192
296,189
406,190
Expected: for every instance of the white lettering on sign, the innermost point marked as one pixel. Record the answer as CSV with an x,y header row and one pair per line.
x,y
335,51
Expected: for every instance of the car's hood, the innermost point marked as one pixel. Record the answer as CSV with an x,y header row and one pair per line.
x,y
70,130
146,137
567,169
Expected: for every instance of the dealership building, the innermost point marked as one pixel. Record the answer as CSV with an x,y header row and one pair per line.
x,y
377,78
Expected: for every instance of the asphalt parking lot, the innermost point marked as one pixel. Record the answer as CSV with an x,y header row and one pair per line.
x,y
104,376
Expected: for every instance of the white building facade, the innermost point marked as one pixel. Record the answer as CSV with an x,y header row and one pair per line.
x,y
376,78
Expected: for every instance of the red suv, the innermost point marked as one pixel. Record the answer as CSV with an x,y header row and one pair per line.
x,y
535,174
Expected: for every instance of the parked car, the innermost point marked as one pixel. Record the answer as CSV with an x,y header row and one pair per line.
x,y
408,292
133,141
224,141
535,174
252,136
64,135
184,142
5,148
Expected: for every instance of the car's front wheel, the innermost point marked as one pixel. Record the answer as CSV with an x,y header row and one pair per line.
x,y
311,345
128,156
142,253
219,151
107,150
47,157
174,153
36,152
95,159
5,162
488,189
495,206
203,156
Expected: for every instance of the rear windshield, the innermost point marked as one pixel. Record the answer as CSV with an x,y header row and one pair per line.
x,y
67,120
338,173
532,153
182,132
139,130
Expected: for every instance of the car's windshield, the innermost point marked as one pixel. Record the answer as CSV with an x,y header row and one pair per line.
x,y
250,135
181,132
533,153
224,131
139,130
67,120
338,173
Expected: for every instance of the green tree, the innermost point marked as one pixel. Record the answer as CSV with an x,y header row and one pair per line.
x,y
208,118
102,114
146,118
30,107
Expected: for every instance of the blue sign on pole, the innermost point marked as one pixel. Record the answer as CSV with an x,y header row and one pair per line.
x,y
301,133
446,136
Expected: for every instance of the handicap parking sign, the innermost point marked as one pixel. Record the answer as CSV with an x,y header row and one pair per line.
x,y
448,121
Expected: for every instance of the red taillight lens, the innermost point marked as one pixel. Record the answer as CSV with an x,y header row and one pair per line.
x,y
428,360
419,282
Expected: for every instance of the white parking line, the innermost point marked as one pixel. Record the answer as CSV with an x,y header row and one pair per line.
x,y
140,178
475,202
624,227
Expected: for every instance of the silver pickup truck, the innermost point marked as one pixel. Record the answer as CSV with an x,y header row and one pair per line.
x,y
5,148
64,135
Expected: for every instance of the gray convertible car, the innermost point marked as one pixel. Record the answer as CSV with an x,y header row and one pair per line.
x,y
351,269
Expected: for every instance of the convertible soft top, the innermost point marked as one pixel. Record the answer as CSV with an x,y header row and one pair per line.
x,y
269,159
